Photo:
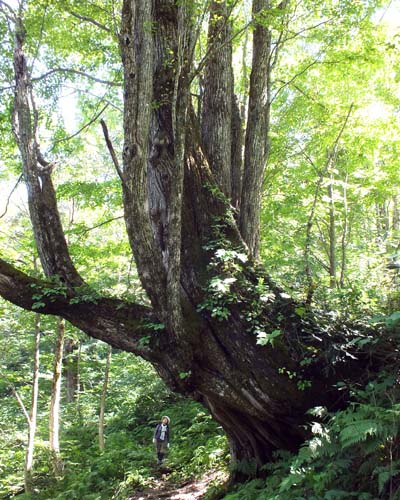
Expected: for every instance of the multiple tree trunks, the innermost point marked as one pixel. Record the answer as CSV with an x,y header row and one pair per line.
x,y
177,220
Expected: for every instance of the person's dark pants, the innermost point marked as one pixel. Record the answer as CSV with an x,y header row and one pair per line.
x,y
161,448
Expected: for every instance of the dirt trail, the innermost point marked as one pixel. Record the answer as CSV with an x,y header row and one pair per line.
x,y
188,490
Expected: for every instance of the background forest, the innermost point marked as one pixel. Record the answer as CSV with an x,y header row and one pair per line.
x,y
330,227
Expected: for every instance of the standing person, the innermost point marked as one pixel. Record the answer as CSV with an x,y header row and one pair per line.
x,y
161,438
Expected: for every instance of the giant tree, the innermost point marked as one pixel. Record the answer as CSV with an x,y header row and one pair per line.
x,y
214,325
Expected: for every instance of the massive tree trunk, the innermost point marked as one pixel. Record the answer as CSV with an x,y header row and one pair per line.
x,y
230,338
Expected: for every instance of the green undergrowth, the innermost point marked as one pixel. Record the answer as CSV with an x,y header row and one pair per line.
x,y
353,453
128,461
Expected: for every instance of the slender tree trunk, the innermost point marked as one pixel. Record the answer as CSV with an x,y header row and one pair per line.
x,y
103,398
78,379
71,372
344,233
382,224
257,130
396,214
307,247
332,233
239,113
33,410
385,216
378,224
245,68
54,420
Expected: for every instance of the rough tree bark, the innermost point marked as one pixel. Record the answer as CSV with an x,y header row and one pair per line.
x,y
216,119
217,306
256,139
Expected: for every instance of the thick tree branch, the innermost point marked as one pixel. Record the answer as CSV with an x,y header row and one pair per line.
x,y
121,324
181,44
137,49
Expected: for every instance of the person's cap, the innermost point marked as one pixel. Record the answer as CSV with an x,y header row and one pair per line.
x,y
165,416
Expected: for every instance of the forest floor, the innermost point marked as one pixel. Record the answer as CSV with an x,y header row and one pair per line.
x,y
163,488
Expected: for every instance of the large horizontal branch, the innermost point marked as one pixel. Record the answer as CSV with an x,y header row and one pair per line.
x,y
123,325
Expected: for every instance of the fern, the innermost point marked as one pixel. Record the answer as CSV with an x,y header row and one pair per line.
x,y
354,453
360,430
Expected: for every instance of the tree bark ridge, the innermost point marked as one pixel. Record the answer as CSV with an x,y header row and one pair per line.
x,y
256,139
216,118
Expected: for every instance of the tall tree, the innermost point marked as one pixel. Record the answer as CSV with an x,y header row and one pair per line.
x,y
215,326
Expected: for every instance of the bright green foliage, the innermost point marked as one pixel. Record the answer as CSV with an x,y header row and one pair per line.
x,y
336,54
331,69
136,400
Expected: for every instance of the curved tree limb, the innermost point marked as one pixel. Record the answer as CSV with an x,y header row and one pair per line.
x,y
121,324
7,11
